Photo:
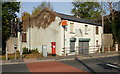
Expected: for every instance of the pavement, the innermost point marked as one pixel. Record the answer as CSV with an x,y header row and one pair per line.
x,y
62,58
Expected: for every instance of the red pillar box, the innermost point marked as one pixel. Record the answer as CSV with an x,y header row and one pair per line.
x,y
53,48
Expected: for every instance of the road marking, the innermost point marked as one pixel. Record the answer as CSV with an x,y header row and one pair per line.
x,y
114,66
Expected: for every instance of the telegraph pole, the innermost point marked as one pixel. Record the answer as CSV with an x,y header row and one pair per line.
x,y
102,28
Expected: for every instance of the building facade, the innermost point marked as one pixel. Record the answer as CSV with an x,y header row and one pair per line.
x,y
72,36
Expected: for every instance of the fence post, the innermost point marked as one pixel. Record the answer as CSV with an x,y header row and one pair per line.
x,y
6,53
65,51
94,49
116,47
109,48
99,48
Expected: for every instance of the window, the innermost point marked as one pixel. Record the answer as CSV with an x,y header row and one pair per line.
x,y
97,29
24,37
86,29
71,27
97,43
72,46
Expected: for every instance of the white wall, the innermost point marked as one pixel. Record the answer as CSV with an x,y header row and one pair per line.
x,y
55,33
39,37
91,34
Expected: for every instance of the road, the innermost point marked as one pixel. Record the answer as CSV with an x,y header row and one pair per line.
x,y
95,66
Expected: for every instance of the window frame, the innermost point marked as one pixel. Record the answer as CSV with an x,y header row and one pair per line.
x,y
97,30
24,35
86,29
72,28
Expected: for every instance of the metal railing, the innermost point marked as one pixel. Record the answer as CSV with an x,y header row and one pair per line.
x,y
92,49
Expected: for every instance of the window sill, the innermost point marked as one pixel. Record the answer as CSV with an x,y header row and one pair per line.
x,y
24,41
72,33
86,33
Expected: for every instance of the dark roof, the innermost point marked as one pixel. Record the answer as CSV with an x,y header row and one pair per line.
x,y
75,19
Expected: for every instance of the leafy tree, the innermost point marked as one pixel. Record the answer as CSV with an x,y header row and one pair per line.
x,y
8,13
88,10
42,6
116,26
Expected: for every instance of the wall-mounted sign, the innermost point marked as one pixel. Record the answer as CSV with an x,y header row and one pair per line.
x,y
64,22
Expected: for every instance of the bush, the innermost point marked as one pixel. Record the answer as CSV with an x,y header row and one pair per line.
x,y
34,51
25,50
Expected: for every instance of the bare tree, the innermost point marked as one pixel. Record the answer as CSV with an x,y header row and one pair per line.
x,y
43,5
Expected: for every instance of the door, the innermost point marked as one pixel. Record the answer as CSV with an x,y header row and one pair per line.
x,y
83,47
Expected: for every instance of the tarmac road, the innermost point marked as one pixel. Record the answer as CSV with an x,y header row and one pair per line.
x,y
93,65
41,67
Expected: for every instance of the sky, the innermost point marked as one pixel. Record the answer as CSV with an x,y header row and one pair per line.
x,y
61,7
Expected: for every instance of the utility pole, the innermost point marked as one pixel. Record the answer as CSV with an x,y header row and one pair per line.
x,y
102,28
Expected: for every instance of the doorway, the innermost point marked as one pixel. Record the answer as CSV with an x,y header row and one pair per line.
x,y
83,46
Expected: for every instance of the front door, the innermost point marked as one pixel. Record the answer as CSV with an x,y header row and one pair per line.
x,y
83,47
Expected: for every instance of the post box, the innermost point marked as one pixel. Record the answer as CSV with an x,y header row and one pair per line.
x,y
53,46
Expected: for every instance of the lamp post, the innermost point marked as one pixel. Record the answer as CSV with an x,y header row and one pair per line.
x,y
20,34
64,23
64,40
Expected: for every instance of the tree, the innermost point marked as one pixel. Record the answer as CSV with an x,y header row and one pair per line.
x,y
88,10
8,13
25,15
115,24
112,20
42,6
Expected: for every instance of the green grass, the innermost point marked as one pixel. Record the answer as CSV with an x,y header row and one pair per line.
x,y
12,56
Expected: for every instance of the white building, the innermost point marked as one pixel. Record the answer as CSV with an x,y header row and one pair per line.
x,y
76,35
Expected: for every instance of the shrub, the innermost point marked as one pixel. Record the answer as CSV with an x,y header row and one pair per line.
x,y
34,51
25,50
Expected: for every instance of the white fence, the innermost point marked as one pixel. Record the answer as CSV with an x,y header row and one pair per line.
x,y
91,49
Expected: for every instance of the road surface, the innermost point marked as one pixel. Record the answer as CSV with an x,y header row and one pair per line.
x,y
95,66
